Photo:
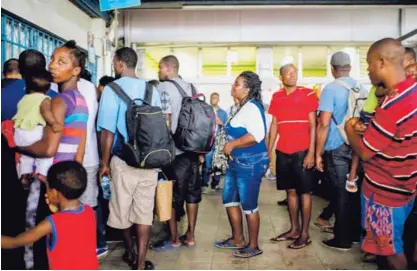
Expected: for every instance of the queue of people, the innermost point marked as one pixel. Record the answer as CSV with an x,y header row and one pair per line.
x,y
66,143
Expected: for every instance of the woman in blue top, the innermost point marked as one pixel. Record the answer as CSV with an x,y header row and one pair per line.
x,y
245,133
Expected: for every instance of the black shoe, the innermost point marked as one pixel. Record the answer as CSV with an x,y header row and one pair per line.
x,y
335,245
282,202
148,266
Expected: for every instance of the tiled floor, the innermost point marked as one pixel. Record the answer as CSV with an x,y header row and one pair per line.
x,y
213,225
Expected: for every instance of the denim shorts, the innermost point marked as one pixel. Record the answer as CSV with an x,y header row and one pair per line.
x,y
243,181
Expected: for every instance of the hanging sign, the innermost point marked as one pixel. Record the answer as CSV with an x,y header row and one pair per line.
x,y
116,4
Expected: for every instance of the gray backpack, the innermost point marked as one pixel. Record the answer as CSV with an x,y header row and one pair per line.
x,y
356,101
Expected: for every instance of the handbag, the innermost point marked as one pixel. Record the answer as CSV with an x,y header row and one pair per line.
x,y
220,159
163,199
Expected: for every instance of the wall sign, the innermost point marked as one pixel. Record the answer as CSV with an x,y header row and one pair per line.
x,y
116,4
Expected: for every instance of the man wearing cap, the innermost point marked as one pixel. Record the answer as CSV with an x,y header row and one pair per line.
x,y
294,118
334,157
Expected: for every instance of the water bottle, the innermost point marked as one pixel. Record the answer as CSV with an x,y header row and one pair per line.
x,y
105,186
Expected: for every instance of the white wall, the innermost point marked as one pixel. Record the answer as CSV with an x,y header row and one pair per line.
x,y
63,19
409,22
274,25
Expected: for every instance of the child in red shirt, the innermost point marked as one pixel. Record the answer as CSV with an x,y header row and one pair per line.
x,y
71,232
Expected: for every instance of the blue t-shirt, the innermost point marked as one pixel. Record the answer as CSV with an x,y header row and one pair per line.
x,y
334,99
222,115
12,91
112,110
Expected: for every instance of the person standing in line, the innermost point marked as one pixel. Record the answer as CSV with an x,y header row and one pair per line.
x,y
185,168
70,230
91,158
133,189
70,110
388,148
13,86
246,147
220,120
409,56
334,157
102,83
294,117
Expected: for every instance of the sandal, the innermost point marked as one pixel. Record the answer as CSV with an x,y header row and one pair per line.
x,y
225,244
327,228
166,246
368,258
183,240
247,252
283,237
300,245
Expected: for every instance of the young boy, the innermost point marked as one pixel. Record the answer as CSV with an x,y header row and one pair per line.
x,y
366,114
71,232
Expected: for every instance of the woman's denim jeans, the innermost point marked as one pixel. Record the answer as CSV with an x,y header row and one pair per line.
x,y
243,181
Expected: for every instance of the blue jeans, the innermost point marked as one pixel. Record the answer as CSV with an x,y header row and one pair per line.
x,y
207,171
344,205
243,181
101,220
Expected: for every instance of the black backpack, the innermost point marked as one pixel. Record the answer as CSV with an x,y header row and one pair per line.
x,y
196,128
150,143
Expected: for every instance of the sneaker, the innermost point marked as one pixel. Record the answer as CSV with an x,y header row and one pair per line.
x,y
205,190
336,246
101,252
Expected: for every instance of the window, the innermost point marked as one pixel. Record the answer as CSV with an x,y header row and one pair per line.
x,y
363,67
283,52
152,58
18,36
188,58
242,59
214,61
315,61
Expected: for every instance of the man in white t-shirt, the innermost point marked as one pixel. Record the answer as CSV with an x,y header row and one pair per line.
x,y
91,157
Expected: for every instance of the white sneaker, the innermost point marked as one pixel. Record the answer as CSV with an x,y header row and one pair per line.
x,y
205,190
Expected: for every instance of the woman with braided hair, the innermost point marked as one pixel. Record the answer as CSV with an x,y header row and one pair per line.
x,y
248,163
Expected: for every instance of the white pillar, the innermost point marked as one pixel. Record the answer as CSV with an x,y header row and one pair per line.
x,y
265,62
300,64
329,67
200,63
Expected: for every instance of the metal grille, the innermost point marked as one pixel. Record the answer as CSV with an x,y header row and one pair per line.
x,y
17,36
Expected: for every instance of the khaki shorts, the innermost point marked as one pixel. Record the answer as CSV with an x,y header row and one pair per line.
x,y
132,195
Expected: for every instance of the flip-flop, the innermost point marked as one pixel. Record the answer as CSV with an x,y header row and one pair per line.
x,y
247,252
281,238
183,240
225,244
368,258
301,245
328,229
166,246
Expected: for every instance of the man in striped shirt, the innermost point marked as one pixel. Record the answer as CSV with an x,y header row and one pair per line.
x,y
389,149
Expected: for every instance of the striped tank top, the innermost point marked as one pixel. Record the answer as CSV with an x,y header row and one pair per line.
x,y
75,124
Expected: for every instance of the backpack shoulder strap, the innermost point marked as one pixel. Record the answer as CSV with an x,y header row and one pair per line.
x,y
343,83
148,93
180,89
193,90
120,92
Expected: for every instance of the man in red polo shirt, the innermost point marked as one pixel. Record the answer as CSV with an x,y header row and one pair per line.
x,y
389,149
294,118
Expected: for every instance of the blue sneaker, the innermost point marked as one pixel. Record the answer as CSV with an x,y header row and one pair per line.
x,y
101,252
